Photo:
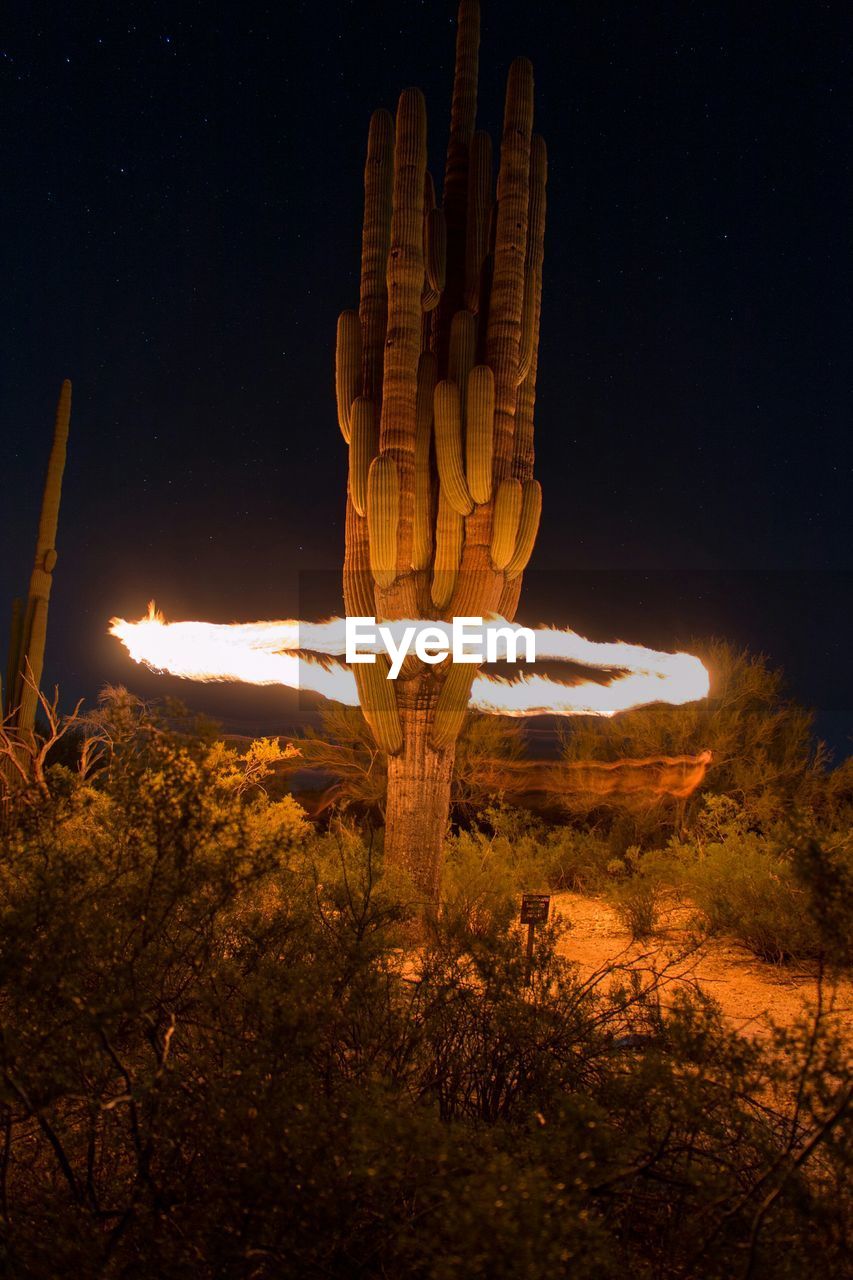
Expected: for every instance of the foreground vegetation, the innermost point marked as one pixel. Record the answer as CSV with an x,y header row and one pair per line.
x,y
221,1055
762,849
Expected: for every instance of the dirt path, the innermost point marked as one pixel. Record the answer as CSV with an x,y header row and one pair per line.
x,y
750,992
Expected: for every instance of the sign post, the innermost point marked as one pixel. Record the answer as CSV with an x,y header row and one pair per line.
x,y
534,910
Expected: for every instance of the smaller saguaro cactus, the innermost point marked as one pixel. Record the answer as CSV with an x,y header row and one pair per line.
x,y
29,625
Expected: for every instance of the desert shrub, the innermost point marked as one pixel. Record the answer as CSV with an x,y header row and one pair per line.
x,y
638,902
342,754
567,857
577,858
822,864
511,851
483,875
785,893
830,797
484,749
639,886
216,1060
745,888
353,898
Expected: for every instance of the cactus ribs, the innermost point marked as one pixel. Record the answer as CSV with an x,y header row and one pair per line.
x,y
436,382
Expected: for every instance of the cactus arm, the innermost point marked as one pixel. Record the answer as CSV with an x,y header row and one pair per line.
x,y
359,600
507,297
505,523
480,420
463,115
348,372
364,444
479,212
383,518
375,241
378,702
449,532
452,705
435,249
372,311
528,527
398,423
526,395
463,108
448,447
463,350
422,529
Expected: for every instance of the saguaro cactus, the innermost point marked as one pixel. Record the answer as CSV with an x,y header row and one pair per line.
x,y
436,385
29,627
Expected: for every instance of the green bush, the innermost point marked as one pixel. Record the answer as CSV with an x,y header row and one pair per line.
x,y
485,872
786,894
822,864
638,887
512,852
638,902
744,889
578,859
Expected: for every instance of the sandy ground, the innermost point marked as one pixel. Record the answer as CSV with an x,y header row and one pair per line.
x,y
750,992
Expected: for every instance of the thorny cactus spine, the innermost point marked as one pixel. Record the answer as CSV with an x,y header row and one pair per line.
x,y
436,383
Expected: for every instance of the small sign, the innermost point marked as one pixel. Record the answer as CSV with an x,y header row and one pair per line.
x,y
535,907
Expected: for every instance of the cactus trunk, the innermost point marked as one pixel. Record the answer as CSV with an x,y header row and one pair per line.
x,y
418,803
442,509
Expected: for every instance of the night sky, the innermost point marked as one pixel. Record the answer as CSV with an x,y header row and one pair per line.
x,y
181,205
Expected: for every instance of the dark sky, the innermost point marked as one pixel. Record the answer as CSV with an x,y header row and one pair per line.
x,y
181,224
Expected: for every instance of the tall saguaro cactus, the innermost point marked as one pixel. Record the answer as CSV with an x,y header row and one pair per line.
x,y
29,627
436,382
